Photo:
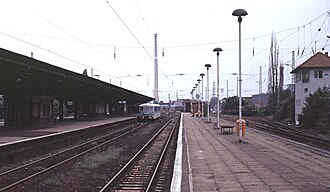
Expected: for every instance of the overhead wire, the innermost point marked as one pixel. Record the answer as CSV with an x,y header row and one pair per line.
x,y
47,50
298,37
143,18
167,47
79,40
131,32
61,56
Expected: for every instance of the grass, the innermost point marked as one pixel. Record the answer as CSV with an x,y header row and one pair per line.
x,y
99,159
55,180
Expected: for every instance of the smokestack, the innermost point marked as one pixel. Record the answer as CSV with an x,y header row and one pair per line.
x,y
326,53
156,72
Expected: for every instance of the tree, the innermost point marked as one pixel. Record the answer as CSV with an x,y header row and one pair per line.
x,y
2,103
273,87
213,103
230,103
286,107
316,110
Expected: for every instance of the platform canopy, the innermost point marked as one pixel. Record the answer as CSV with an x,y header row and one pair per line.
x,y
24,75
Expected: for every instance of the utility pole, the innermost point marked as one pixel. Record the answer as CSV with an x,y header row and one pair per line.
x,y
237,86
227,88
260,81
292,67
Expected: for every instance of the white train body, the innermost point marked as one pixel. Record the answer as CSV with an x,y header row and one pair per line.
x,y
149,111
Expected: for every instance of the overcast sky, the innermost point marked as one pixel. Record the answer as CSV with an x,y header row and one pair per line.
x,y
85,34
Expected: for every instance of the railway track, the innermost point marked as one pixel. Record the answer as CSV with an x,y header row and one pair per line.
x,y
143,171
16,177
290,132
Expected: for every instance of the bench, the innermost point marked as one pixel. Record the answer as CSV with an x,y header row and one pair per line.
x,y
226,129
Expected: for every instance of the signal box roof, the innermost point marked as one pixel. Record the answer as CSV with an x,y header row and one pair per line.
x,y
319,60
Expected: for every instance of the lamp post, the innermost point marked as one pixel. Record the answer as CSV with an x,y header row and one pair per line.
x,y
196,86
191,103
218,102
198,96
202,96
239,13
208,97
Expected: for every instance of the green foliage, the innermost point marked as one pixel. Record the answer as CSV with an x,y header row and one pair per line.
x,y
316,110
272,103
285,111
229,103
213,102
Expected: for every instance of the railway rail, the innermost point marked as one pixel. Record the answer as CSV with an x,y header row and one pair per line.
x,y
290,132
143,171
18,176
286,131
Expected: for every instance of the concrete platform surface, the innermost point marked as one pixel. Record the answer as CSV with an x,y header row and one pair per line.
x,y
218,162
9,135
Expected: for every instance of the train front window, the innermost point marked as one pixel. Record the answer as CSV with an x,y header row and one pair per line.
x,y
146,109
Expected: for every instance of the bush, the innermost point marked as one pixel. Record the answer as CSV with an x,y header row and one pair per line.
x,y
315,112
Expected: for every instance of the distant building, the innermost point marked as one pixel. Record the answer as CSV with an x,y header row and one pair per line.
x,y
260,100
314,73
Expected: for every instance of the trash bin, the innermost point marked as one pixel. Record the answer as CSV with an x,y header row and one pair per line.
x,y
243,127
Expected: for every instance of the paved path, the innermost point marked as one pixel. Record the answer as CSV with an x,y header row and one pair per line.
x,y
217,162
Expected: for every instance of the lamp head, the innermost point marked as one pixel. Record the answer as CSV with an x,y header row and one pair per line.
x,y
239,13
202,75
207,66
218,49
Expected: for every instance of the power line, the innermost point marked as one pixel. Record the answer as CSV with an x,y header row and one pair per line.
x,y
79,40
52,52
129,29
132,34
144,20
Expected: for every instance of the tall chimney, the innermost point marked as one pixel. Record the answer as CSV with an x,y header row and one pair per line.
x,y
156,72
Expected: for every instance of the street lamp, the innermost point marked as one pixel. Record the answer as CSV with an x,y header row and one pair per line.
x,y
191,103
208,98
196,86
218,102
198,98
239,13
202,97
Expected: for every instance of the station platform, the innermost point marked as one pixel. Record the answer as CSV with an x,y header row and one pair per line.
x,y
11,135
212,161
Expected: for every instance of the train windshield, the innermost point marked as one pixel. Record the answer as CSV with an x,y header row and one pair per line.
x,y
146,109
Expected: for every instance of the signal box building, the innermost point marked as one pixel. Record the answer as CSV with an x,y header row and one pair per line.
x,y
314,73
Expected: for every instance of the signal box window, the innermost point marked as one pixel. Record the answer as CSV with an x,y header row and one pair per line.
x,y
305,76
318,74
